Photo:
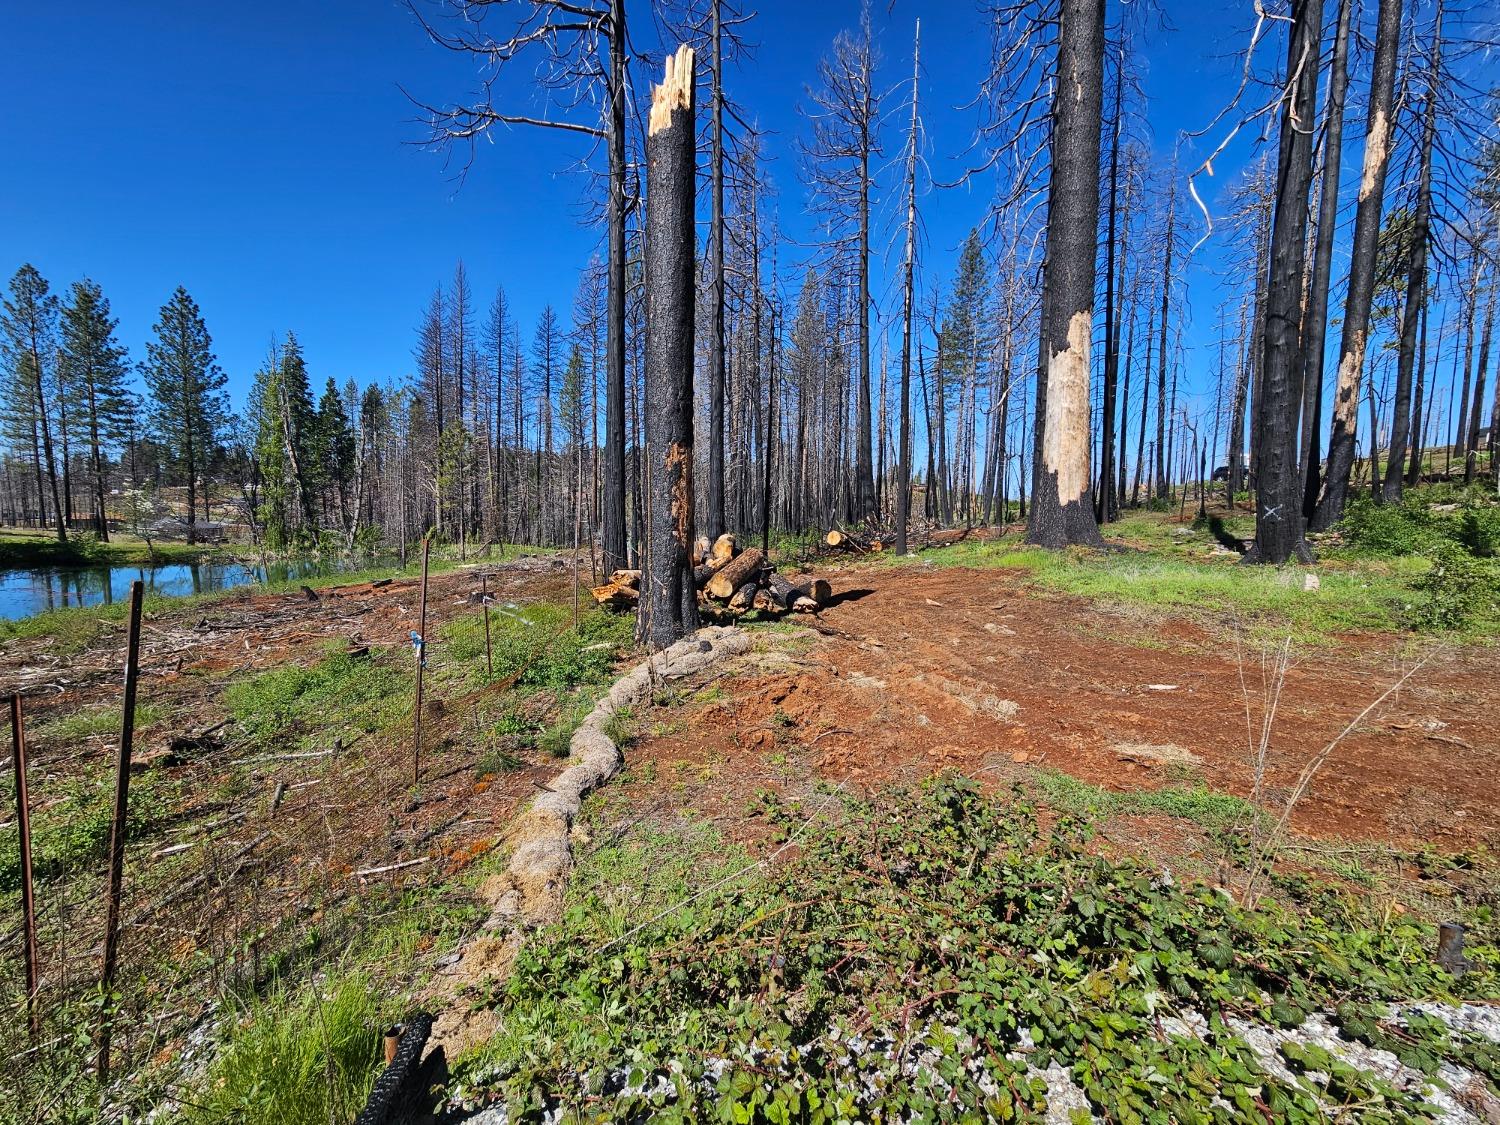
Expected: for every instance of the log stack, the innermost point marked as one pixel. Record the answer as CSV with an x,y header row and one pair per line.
x,y
727,578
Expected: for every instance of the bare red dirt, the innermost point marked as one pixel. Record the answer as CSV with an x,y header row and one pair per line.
x,y
922,669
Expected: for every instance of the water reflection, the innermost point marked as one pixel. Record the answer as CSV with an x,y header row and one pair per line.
x,y
26,592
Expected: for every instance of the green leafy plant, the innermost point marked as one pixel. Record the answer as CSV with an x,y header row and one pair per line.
x,y
1457,592
911,959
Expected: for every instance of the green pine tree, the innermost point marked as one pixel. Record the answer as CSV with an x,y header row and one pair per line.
x,y
95,366
186,386
28,342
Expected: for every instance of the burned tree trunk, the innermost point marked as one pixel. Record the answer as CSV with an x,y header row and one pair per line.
x,y
1379,130
1315,329
1278,492
1416,283
669,605
1062,512
903,458
716,289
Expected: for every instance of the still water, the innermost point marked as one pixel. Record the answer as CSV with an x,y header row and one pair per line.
x,y
25,592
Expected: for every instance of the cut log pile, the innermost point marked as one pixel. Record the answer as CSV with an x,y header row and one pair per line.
x,y
920,535
727,578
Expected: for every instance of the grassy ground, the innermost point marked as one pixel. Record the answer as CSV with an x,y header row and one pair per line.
x,y
24,548
1192,569
305,990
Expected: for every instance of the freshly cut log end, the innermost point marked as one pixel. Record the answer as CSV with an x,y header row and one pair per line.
x,y
630,579
807,598
735,573
701,547
725,548
834,538
612,595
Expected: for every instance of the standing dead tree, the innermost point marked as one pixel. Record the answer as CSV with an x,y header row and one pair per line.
x,y
1062,512
908,303
1278,510
580,53
1315,325
1379,128
670,606
845,116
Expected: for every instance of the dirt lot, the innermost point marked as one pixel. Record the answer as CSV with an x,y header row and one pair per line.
x,y
918,669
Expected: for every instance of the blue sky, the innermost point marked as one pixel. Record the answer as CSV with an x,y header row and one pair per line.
x,y
260,155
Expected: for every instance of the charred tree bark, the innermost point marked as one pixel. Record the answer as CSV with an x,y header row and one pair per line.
x,y
908,267
1476,411
716,298
1278,493
1379,128
1062,512
669,608
1416,281
1160,491
1315,328
614,550
1105,507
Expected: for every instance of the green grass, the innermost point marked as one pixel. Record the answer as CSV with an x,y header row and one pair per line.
x,y
340,695
1264,598
23,548
1215,811
74,629
535,645
303,1058
91,722
73,831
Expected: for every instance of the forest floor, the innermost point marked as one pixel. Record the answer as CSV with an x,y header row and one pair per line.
x,y
278,838
919,668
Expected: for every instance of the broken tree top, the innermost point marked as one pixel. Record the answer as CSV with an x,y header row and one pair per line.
x,y
675,91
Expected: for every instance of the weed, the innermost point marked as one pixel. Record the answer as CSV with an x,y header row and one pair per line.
x,y
92,722
368,693
537,646
1208,808
303,1058
1458,592
73,831
943,926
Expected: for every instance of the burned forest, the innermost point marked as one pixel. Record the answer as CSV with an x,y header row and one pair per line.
x,y
632,560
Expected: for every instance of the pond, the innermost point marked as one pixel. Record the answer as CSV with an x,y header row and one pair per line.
x,y
24,592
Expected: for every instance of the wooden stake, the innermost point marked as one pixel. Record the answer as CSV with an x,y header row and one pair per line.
x,y
23,827
421,647
119,826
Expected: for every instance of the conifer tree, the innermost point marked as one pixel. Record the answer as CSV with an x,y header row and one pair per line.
x,y
186,387
96,370
28,337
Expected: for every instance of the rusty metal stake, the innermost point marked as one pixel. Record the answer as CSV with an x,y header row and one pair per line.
x,y
484,600
420,643
118,828
28,894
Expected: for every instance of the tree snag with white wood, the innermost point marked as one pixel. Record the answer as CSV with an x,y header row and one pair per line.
x,y
1379,133
1062,511
669,609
